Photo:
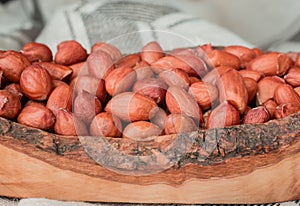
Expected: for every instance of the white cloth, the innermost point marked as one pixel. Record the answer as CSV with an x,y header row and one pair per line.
x,y
126,26
47,202
8,202
261,22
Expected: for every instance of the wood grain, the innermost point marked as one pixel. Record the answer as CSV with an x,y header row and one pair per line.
x,y
29,177
240,164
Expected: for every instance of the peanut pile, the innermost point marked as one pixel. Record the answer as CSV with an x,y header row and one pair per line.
x,y
151,93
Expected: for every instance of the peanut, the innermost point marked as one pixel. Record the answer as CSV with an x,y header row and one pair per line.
x,y
148,93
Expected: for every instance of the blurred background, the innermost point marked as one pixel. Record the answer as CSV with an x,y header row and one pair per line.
x,y
268,24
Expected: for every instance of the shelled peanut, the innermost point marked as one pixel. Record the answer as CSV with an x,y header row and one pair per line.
x,y
151,93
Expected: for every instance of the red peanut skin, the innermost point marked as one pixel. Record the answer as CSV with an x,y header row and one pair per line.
x,y
179,123
10,105
37,52
286,94
105,124
36,83
236,93
110,49
151,52
60,98
12,64
223,58
270,64
130,106
70,52
257,115
180,101
243,53
120,80
223,115
99,64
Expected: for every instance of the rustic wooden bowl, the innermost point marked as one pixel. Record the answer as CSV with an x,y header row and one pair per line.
x,y
240,164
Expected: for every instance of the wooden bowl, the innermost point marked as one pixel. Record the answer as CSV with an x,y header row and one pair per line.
x,y
240,164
